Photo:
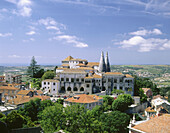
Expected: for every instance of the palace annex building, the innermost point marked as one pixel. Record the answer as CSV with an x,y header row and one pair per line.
x,y
78,76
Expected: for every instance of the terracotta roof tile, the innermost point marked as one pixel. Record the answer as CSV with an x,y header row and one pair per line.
x,y
113,73
68,58
83,98
145,89
155,125
8,88
128,76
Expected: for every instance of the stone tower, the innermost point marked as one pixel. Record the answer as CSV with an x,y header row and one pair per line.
x,y
102,65
107,63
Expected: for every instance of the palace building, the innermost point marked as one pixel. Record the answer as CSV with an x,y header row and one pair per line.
x,y
78,76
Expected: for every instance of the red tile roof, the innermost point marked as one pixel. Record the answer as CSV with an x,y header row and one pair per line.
x,y
159,124
83,98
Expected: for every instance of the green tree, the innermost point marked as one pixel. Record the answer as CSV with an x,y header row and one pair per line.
x,y
39,73
115,122
31,109
52,118
2,117
15,120
122,102
118,91
107,102
33,68
48,75
143,97
140,82
35,83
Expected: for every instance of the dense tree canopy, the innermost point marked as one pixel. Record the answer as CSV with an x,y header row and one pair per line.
x,y
143,97
33,107
122,102
14,120
144,83
115,122
48,75
107,102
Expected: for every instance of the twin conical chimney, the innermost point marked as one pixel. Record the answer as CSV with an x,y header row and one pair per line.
x,y
107,63
104,65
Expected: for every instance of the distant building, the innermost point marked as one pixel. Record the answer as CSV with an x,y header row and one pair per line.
x,y
78,76
11,78
2,78
158,102
89,101
147,92
8,92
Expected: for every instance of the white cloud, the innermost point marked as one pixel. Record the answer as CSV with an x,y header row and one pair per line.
x,y
25,11
12,1
23,7
71,40
24,3
52,28
50,23
145,45
5,34
32,39
145,32
3,10
14,56
31,33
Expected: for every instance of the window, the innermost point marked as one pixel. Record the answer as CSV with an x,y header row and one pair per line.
x,y
115,80
77,80
44,83
48,83
53,89
115,87
67,79
82,80
53,83
121,87
72,79
62,79
87,85
109,80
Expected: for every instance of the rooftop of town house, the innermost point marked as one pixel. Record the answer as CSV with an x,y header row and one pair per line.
x,y
25,99
128,76
155,125
51,80
74,71
85,68
113,73
150,109
9,87
93,64
25,92
83,98
68,58
146,89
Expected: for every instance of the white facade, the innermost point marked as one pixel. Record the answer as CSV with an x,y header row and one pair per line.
x,y
50,86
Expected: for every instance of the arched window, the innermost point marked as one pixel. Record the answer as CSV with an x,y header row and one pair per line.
x,y
75,89
103,88
69,89
81,89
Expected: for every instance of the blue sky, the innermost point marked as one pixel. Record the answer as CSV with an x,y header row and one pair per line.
x,y
132,31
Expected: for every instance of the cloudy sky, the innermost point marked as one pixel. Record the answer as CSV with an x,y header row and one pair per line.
x,y
132,31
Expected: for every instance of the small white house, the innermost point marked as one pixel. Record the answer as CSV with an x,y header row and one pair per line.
x,y
50,86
